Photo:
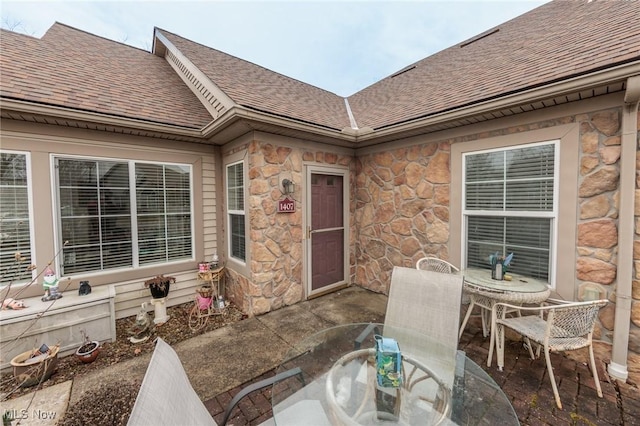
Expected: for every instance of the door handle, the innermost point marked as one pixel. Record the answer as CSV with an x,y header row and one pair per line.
x,y
308,232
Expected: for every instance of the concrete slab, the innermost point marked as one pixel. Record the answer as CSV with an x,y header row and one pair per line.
x,y
41,408
227,357
294,323
351,305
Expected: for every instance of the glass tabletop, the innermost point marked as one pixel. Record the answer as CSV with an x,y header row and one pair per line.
x,y
339,382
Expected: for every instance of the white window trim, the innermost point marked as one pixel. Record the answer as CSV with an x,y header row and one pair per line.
x,y
243,212
553,214
57,226
32,241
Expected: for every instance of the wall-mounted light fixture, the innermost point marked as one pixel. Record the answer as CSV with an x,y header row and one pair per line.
x,y
288,186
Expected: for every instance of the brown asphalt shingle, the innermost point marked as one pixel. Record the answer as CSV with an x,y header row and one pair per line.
x,y
258,88
556,41
552,42
74,69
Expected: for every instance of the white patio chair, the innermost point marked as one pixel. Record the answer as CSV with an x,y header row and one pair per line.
x,y
436,265
563,326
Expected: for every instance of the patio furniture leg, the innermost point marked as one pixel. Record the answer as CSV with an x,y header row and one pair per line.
x,y
594,371
527,343
486,320
472,303
552,377
498,329
495,311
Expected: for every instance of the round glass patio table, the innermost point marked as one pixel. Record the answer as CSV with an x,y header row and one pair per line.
x,y
338,383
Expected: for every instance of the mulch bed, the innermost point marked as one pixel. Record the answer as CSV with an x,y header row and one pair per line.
x,y
113,405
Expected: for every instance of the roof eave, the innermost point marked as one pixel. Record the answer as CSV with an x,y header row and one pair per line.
x,y
59,112
559,88
307,130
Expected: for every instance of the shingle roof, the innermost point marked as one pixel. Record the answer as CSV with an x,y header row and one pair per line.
x,y
258,88
74,69
555,41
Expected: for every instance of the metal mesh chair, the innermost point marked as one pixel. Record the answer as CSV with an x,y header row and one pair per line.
x,y
563,326
436,265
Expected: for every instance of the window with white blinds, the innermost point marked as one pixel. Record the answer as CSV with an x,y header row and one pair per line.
x,y
235,204
116,214
510,207
15,227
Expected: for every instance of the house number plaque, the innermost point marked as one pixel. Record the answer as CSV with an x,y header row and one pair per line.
x,y
287,205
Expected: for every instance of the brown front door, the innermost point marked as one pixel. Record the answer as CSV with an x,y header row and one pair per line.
x,y
327,231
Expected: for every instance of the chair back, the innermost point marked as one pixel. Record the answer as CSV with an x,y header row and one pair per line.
x,y
573,320
436,265
428,303
166,396
425,301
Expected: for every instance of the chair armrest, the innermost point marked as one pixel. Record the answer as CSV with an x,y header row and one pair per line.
x,y
258,385
512,308
542,309
519,307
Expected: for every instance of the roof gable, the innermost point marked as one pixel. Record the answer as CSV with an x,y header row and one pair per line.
x,y
261,89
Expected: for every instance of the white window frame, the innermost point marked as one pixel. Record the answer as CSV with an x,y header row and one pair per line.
x,y
131,163
236,212
552,215
28,277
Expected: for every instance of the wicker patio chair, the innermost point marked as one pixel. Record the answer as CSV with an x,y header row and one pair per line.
x,y
436,265
561,326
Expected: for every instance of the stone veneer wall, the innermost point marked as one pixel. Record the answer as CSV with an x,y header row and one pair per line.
x,y
597,228
275,239
599,192
402,210
599,195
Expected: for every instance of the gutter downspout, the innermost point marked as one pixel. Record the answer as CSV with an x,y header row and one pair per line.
x,y
618,367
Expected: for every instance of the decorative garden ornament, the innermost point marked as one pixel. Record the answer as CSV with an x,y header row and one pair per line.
x,y
50,285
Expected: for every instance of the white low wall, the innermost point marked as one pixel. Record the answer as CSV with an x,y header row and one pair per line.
x,y
59,321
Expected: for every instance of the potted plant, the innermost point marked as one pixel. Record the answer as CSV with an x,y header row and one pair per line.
x,y
89,350
35,366
159,286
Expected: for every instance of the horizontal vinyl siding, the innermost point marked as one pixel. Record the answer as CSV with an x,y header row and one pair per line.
x,y
130,295
209,209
